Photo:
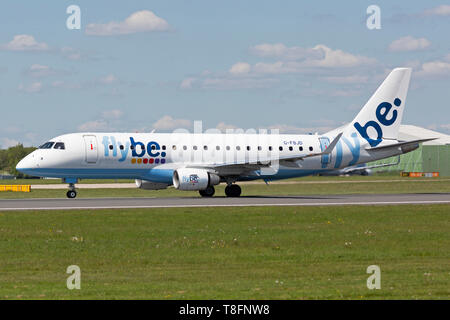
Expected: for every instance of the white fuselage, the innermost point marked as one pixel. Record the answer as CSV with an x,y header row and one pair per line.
x,y
154,156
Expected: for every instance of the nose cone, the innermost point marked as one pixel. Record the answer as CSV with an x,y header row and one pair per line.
x,y
26,164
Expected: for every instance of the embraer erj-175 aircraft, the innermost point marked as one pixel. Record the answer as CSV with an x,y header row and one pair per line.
x,y
191,161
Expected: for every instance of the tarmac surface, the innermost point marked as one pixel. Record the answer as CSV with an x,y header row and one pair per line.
x,y
184,202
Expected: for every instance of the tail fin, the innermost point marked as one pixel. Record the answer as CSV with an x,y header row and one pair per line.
x,y
381,116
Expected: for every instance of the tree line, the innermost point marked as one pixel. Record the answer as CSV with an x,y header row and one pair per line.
x,y
9,158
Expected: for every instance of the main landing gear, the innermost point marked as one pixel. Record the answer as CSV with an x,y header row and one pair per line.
x,y
233,190
72,193
208,192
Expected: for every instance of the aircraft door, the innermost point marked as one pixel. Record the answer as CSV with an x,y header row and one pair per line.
x,y
326,158
91,148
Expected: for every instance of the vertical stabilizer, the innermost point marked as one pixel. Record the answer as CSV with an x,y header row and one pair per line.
x,y
381,116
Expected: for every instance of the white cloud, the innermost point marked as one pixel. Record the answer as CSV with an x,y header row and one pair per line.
x,y
222,83
108,79
93,126
279,50
240,68
140,21
409,43
347,79
337,59
65,85
225,82
435,68
35,87
319,56
222,126
317,60
39,71
70,53
114,114
7,143
187,83
25,42
442,10
169,123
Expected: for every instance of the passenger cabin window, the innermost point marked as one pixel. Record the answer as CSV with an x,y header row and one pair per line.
x,y
60,146
47,145
290,148
310,148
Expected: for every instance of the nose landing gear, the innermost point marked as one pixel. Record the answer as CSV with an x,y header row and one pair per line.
x,y
72,193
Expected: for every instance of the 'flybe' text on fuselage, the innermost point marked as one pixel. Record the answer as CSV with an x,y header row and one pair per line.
x,y
138,149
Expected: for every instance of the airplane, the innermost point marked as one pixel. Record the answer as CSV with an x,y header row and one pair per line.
x,y
200,161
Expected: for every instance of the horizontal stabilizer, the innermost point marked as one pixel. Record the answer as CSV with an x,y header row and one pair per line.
x,y
403,144
381,165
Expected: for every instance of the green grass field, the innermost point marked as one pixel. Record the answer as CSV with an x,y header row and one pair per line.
x,y
227,253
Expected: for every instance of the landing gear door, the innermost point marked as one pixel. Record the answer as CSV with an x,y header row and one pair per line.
x,y
326,158
91,147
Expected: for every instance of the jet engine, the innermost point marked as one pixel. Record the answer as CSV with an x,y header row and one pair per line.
x,y
149,185
194,179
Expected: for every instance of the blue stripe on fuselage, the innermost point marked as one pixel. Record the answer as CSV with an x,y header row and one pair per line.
x,y
155,174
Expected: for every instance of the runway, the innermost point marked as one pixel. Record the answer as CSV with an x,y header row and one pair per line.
x,y
185,202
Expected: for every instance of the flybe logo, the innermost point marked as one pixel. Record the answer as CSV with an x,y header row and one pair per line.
x,y
140,152
382,114
191,179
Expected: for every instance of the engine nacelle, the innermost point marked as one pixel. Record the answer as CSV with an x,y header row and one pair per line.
x,y
194,179
149,185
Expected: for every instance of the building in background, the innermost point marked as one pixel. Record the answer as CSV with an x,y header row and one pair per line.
x,y
431,156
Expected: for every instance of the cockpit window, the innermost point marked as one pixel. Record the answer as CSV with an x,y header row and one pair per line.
x,y
60,146
47,145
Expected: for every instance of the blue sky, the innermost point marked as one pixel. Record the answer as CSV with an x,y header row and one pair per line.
x,y
140,65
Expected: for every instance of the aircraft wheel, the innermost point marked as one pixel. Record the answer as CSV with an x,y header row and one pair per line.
x,y
208,192
71,194
233,190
